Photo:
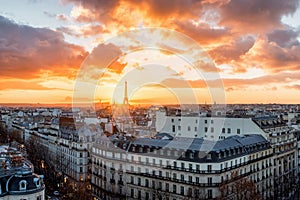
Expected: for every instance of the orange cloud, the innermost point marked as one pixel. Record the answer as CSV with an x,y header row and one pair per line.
x,y
234,83
233,50
19,84
294,87
25,50
256,16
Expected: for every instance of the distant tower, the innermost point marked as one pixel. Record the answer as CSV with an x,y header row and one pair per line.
x,y
125,101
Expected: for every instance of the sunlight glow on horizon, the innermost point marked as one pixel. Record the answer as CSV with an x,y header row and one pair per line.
x,y
45,45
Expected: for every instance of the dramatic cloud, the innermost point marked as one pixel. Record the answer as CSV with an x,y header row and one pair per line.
x,y
83,31
25,51
234,83
271,56
203,33
285,38
255,15
239,36
233,50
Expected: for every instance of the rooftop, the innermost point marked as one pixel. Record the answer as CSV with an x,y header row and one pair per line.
x,y
12,162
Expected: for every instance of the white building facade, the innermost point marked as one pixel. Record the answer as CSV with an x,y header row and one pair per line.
x,y
169,169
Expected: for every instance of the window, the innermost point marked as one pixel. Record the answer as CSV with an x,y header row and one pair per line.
x,y
173,128
196,129
197,167
174,189
190,179
197,192
179,128
229,130
209,181
182,165
132,193
189,128
223,130
39,197
172,120
22,185
205,129
205,121
212,121
167,187
197,180
182,177
159,185
209,193
167,174
182,190
132,180
238,131
37,183
212,129
208,168
196,121
208,156
174,176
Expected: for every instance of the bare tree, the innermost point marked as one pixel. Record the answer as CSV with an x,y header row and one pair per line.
x,y
16,135
3,134
238,188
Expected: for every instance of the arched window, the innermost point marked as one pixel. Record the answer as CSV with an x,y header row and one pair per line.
x,y
37,182
22,185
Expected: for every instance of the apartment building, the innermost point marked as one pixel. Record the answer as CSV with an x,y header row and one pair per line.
x,y
149,168
285,148
211,128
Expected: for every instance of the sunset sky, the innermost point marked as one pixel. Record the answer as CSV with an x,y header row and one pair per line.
x,y
170,51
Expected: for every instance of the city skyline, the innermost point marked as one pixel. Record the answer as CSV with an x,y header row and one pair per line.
x,y
253,46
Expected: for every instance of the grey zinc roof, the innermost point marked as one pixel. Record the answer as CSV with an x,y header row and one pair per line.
x,y
199,144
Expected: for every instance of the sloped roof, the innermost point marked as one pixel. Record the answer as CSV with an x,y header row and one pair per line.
x,y
200,144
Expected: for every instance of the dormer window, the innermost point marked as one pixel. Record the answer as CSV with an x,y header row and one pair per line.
x,y
208,156
37,182
22,185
